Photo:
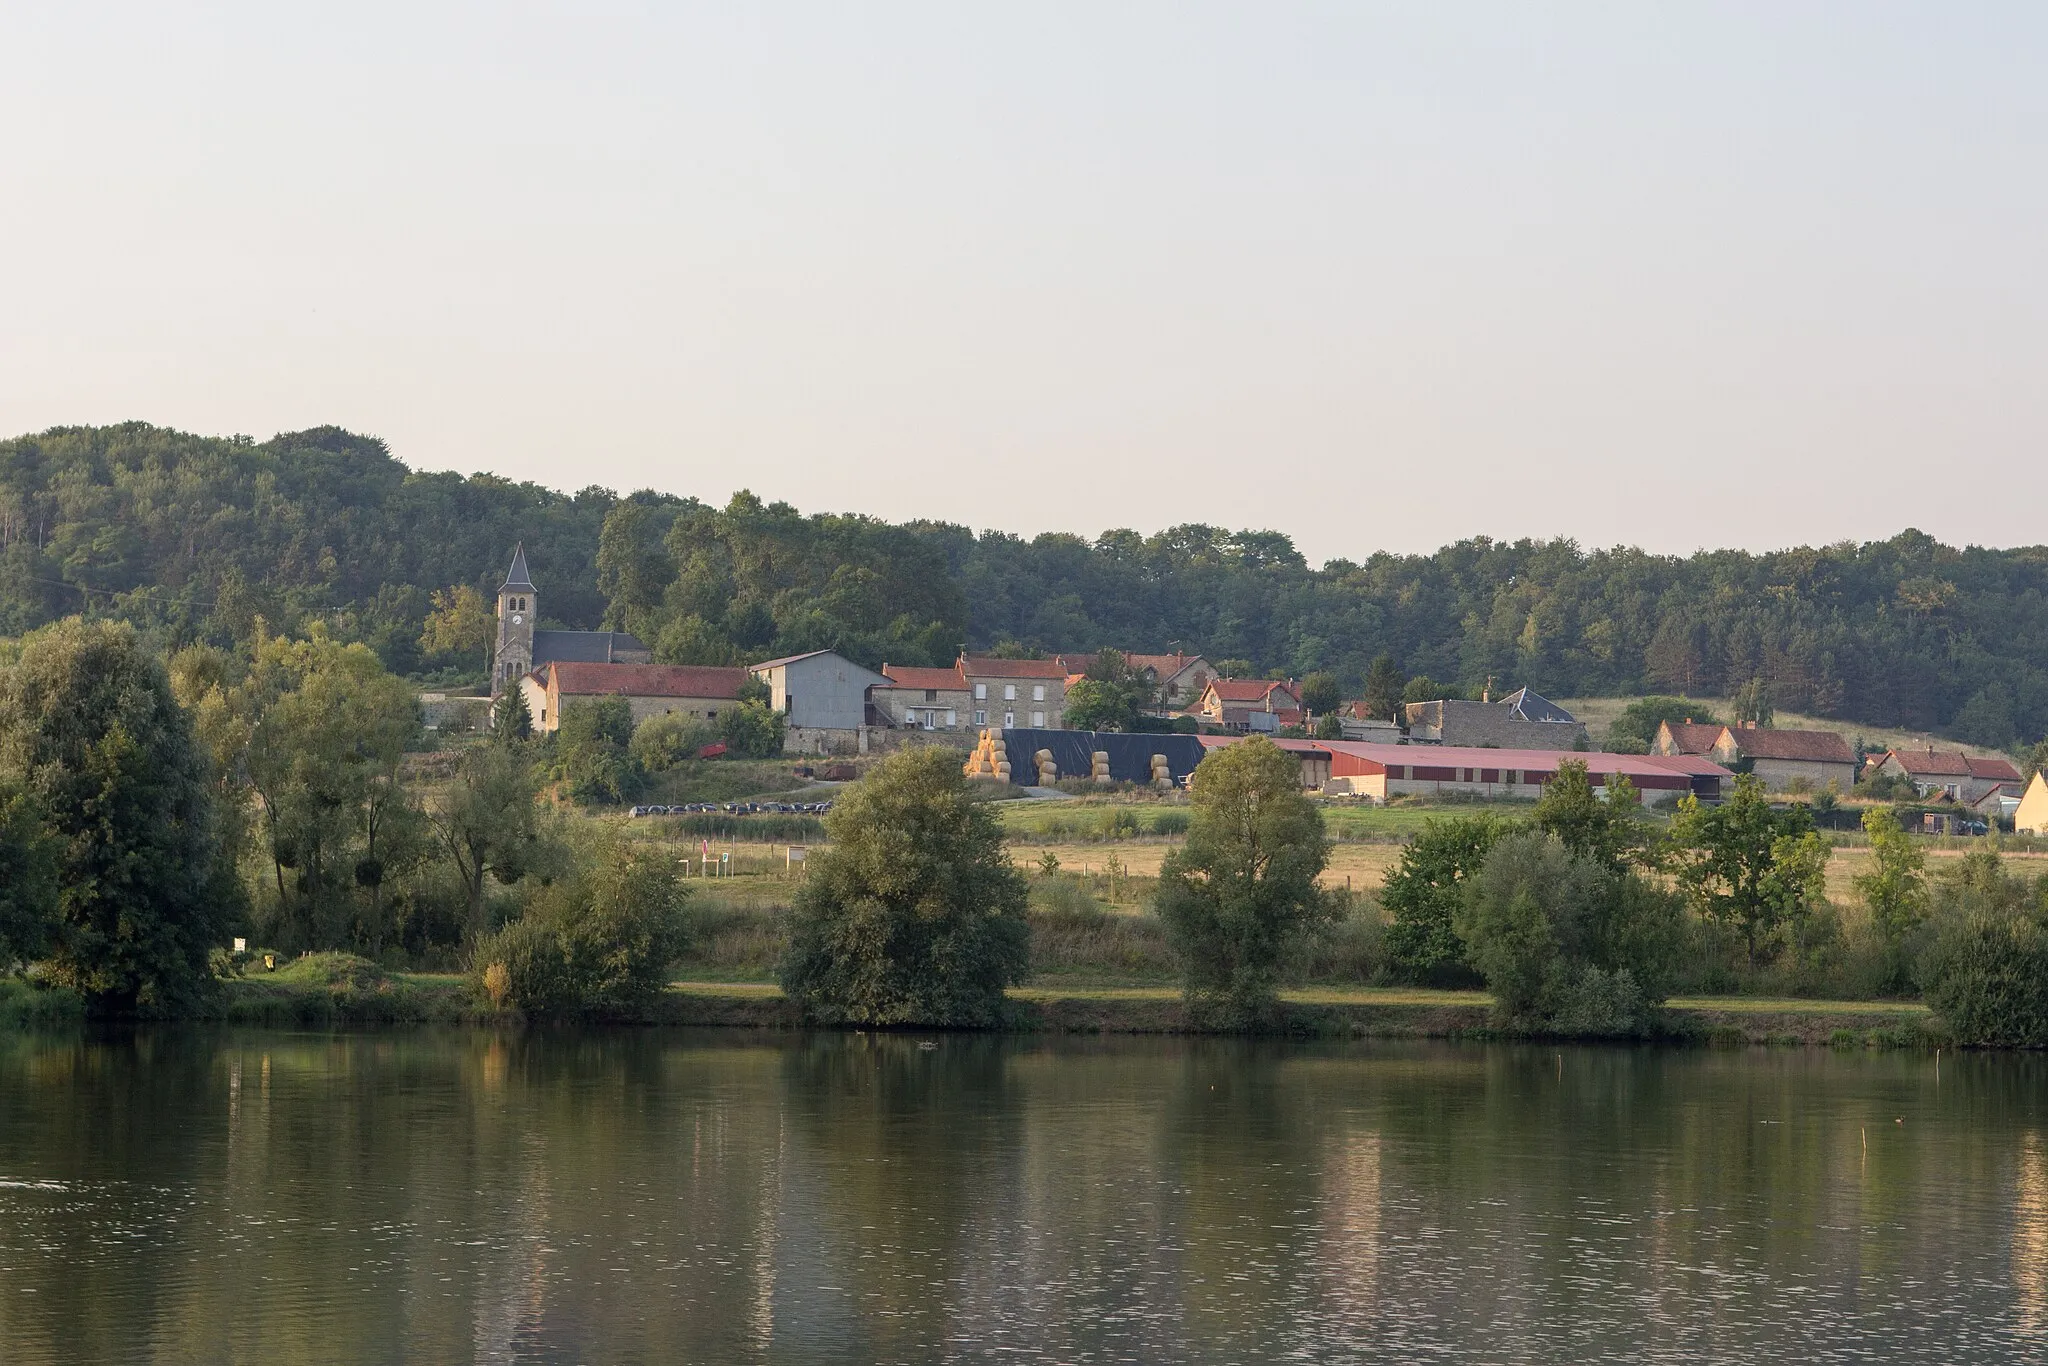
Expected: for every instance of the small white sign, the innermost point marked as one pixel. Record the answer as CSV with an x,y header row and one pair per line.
x,y
241,946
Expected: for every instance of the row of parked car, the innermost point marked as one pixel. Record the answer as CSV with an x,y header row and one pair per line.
x,y
736,809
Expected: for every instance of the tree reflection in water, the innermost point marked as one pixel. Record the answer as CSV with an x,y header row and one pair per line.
x,y
719,1196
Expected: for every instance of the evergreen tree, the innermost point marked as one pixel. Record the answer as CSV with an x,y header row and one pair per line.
x,y
511,718
1384,684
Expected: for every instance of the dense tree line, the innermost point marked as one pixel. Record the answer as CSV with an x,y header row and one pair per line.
x,y
201,537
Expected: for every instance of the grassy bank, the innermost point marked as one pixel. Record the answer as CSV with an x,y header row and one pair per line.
x,y
333,991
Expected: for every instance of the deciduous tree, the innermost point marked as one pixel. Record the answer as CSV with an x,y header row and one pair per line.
x,y
90,731
914,914
1241,893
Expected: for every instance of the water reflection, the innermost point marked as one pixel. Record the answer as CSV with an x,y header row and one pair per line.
x,y
556,1196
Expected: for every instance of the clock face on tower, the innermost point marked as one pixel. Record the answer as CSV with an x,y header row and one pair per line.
x,y
516,618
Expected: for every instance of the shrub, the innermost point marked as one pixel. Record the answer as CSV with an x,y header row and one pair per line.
x,y
602,937
664,741
1567,944
915,914
752,730
1986,976
1170,823
1117,823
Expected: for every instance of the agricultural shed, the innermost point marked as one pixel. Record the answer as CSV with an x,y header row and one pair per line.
x,y
1130,755
1410,770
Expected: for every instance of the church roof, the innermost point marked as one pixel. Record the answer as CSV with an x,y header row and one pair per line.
x,y
516,577
586,647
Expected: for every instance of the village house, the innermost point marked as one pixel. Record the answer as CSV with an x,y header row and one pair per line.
x,y
1011,693
1255,705
1521,720
1781,758
1960,777
2031,817
1178,680
700,692
913,698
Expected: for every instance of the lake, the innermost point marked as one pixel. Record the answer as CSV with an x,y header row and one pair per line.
x,y
719,1196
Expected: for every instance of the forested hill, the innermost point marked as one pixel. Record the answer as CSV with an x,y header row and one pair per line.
x,y
197,536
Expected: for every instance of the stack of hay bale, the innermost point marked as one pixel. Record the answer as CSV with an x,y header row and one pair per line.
x,y
1098,764
1048,771
1162,773
990,758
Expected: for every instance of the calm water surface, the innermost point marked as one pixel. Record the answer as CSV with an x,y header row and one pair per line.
x,y
721,1197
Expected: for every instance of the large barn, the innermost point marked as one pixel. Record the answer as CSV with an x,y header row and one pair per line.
x,y
1384,771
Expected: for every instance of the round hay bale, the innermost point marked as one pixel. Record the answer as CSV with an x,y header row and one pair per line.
x,y
1003,768
1044,756
1103,779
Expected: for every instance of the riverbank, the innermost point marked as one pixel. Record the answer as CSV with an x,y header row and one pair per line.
x,y
332,990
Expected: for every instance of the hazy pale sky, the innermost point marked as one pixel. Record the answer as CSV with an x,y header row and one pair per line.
x,y
1378,276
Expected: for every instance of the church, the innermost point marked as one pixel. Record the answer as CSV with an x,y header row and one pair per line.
x,y
521,649
554,668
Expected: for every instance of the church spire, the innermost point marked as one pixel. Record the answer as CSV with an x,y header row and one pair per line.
x,y
516,576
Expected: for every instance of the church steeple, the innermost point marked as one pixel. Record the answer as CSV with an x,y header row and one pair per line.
x,y
517,602
516,576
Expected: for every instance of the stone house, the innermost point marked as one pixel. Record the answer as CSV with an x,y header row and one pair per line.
x,y
1253,705
1012,693
1778,757
700,692
912,698
1960,777
1521,720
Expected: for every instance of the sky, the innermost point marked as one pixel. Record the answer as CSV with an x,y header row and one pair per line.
x,y
1376,276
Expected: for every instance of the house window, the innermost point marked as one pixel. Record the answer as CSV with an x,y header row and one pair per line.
x,y
1009,692
981,718
981,692
1038,692
1009,720
1038,720
952,719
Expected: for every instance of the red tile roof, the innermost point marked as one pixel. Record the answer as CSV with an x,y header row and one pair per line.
x,y
1818,746
647,680
1692,737
1932,763
1012,668
1251,689
1994,768
909,676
